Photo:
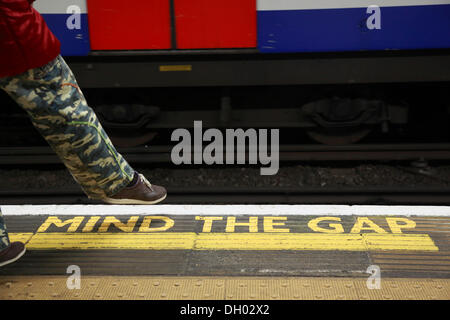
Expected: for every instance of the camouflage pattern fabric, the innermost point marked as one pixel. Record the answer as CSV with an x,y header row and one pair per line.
x,y
4,240
57,108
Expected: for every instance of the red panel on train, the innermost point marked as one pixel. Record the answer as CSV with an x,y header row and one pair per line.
x,y
127,25
215,23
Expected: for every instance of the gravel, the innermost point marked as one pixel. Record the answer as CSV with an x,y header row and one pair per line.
x,y
296,176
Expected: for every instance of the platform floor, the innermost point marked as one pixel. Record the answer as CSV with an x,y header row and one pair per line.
x,y
229,252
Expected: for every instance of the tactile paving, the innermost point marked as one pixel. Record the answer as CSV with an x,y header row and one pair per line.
x,y
220,288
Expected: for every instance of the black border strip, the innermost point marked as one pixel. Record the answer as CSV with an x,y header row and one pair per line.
x,y
173,24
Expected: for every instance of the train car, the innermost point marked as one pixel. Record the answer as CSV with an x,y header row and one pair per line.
x,y
245,44
267,25
252,38
317,26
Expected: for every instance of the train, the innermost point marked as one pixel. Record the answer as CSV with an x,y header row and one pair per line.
x,y
194,49
269,26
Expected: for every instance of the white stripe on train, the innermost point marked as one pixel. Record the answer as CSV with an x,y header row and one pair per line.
x,y
58,6
275,5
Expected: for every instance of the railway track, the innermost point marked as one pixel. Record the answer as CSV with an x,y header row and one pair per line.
x,y
219,195
242,195
161,154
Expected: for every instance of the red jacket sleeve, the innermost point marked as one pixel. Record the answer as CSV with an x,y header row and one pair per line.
x,y
26,42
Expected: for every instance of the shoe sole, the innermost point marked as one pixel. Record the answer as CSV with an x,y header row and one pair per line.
x,y
132,201
14,259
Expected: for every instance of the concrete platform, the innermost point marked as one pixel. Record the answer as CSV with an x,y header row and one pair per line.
x,y
234,252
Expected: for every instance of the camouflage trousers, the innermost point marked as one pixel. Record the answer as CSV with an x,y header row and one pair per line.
x,y
57,108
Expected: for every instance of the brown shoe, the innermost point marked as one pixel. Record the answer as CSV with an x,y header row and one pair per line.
x,y
11,253
143,192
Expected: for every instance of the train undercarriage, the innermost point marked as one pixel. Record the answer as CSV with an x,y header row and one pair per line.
x,y
332,99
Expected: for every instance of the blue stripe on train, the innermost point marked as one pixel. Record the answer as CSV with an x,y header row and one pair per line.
x,y
407,27
73,42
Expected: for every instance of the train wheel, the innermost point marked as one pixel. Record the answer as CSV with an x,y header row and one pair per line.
x,y
132,141
338,136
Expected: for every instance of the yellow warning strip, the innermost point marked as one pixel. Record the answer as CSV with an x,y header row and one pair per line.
x,y
22,237
399,242
313,241
219,288
229,241
84,241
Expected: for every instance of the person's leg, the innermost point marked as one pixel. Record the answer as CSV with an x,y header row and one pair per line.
x,y
59,111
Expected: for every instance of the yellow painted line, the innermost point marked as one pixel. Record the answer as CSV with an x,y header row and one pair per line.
x,y
22,237
84,241
420,242
230,241
276,241
313,241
